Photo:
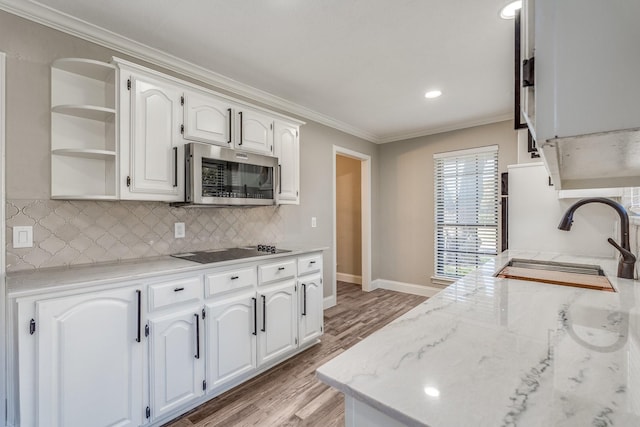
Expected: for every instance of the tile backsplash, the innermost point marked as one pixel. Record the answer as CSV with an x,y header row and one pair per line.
x,y
80,232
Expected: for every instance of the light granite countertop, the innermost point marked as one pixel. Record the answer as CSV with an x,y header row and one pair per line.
x,y
30,282
488,351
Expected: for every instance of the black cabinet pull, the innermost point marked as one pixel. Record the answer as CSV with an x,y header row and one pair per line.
x,y
229,113
175,166
312,262
264,314
280,179
304,299
240,143
234,277
139,294
281,268
197,336
178,289
255,316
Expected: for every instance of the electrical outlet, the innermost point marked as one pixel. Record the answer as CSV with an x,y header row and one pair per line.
x,y
314,223
178,230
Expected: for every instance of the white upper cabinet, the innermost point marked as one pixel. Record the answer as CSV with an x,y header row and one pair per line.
x,y
255,132
208,119
586,114
287,150
83,130
152,157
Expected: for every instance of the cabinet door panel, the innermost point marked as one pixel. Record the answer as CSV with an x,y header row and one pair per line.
x,y
89,363
231,343
256,132
311,308
177,370
154,164
287,149
207,120
277,321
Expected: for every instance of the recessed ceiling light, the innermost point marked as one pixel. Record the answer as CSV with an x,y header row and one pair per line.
x,y
433,94
509,11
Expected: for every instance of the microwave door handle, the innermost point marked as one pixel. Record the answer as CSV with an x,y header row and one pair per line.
x,y
279,179
240,143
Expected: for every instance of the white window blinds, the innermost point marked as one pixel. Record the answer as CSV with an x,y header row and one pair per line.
x,y
466,210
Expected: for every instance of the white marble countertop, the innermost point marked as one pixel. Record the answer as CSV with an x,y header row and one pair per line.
x,y
30,282
488,351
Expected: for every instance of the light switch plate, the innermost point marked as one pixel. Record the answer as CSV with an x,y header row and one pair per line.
x,y
314,222
23,236
179,230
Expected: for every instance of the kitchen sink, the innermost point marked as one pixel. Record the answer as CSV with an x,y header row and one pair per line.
x,y
557,273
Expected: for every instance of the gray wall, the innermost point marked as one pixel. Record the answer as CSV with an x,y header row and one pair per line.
x,y
31,48
406,215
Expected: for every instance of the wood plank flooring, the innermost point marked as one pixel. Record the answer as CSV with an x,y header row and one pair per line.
x,y
289,394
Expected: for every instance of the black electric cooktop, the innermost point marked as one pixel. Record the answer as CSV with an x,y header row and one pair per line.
x,y
218,255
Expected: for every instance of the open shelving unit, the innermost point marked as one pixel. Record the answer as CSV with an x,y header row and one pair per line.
x,y
83,130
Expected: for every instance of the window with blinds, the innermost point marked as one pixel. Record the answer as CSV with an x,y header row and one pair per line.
x,y
466,210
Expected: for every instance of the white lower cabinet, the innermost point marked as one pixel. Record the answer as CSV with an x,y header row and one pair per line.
x,y
81,360
311,318
176,359
277,333
135,354
231,330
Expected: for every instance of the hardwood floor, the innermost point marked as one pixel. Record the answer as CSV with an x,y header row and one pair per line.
x,y
289,394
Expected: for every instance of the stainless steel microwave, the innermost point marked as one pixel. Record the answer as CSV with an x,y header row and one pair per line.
x,y
221,176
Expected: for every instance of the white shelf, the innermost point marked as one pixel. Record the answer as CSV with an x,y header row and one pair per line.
x,y
90,112
83,130
85,153
85,67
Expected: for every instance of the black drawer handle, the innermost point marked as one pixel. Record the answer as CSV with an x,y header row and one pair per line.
x,y
281,268
312,262
178,289
234,277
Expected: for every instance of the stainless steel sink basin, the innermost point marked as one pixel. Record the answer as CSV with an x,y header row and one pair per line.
x,y
557,273
593,270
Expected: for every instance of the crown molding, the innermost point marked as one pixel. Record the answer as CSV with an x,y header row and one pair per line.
x,y
57,20
447,128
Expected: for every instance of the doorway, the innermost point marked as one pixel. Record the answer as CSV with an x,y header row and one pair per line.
x,y
354,240
348,220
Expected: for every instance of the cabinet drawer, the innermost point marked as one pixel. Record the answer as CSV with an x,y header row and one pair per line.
x,y
230,280
277,271
309,264
177,291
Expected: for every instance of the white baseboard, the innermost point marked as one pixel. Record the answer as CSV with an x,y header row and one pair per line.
x,y
349,278
329,302
407,288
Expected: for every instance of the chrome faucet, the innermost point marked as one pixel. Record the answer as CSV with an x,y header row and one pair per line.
x,y
626,263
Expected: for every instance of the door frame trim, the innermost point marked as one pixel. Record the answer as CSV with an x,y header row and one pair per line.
x,y
365,194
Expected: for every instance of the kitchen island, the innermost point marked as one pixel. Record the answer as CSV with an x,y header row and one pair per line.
x,y
488,351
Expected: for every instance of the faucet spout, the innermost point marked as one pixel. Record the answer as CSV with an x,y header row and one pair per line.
x,y
626,264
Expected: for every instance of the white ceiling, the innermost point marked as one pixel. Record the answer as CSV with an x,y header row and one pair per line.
x,y
360,65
